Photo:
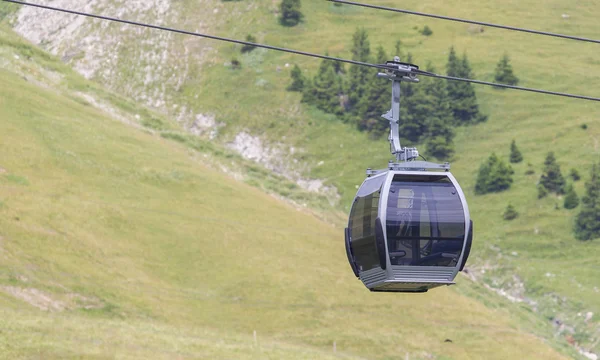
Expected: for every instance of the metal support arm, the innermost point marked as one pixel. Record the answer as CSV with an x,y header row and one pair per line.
x,y
398,72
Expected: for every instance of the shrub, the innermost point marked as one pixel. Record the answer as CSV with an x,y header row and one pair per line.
x,y
494,176
510,213
529,170
290,12
246,47
426,31
574,174
542,191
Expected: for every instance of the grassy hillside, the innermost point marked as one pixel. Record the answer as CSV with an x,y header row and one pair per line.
x,y
535,258
118,243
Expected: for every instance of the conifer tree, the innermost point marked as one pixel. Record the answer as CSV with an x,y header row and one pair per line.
x,y
552,178
504,72
290,12
359,76
453,65
375,101
463,98
297,79
412,121
515,154
494,176
438,118
338,66
571,198
587,226
324,92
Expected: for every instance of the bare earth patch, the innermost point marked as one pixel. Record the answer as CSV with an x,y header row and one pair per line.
x,y
48,302
276,158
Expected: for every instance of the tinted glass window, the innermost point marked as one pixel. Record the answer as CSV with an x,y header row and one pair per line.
x,y
425,221
362,225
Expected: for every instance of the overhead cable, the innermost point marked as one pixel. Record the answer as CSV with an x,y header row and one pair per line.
x,y
298,52
505,27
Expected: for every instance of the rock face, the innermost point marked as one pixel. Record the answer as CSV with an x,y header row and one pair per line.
x,y
144,64
150,66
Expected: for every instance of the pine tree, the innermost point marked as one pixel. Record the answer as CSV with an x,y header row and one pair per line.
x,y
462,95
338,66
510,213
375,101
453,65
494,176
574,174
504,72
290,12
587,226
359,76
426,31
412,98
297,79
571,198
438,118
515,154
552,178
324,92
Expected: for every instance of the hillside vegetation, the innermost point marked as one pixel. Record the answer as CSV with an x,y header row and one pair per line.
x,y
533,260
118,243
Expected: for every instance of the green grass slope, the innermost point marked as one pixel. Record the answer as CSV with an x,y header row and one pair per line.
x,y
118,243
535,257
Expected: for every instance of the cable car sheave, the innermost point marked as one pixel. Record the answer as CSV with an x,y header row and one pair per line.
x,y
409,228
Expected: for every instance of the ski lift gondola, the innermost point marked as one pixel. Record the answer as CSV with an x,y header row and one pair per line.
x,y
409,228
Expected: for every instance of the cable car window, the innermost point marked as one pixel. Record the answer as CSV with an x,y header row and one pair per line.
x,y
425,221
362,225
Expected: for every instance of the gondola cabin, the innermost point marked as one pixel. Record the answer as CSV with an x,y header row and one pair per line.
x,y
408,231
409,228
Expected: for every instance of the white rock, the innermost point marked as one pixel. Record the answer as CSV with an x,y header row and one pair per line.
x,y
589,355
